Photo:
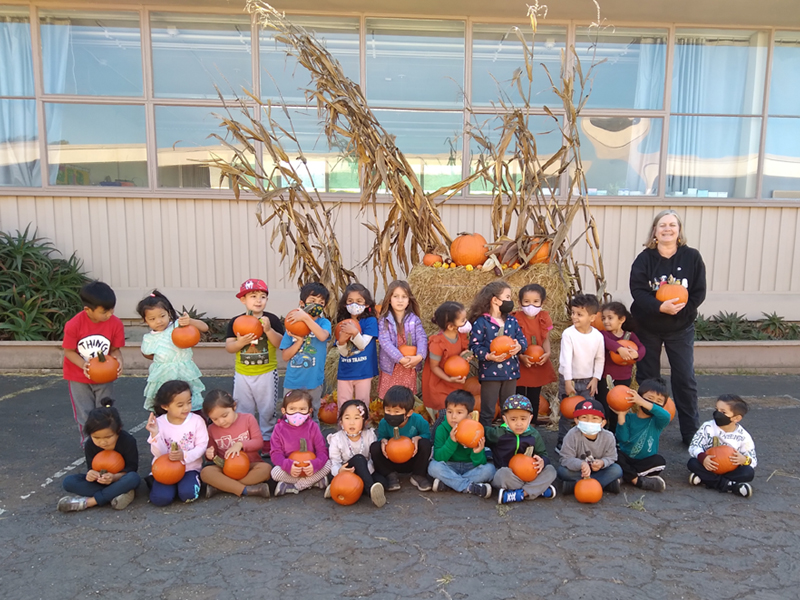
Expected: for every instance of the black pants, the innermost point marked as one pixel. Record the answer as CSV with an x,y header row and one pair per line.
x,y
532,394
602,392
493,392
639,467
418,465
680,352
713,481
359,463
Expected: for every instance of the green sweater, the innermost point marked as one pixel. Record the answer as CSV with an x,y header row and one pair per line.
x,y
637,437
446,450
416,425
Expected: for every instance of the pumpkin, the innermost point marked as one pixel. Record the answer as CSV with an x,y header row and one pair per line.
x,y
468,249
408,350
588,491
399,449
524,467
456,366
246,324
329,412
473,386
102,368
669,406
337,330
542,254
569,404
185,337
234,467
302,457
469,432
346,488
429,259
672,291
534,352
166,471
617,359
544,406
502,344
298,328
721,453
617,397
108,461
597,322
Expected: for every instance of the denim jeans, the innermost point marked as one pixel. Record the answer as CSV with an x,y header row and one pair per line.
x,y
458,475
103,494
604,476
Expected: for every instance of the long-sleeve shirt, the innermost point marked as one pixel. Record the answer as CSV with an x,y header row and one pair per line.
x,y
577,448
387,336
738,439
582,354
638,437
342,449
505,444
191,437
286,439
484,330
447,450
619,372
415,426
126,446
244,429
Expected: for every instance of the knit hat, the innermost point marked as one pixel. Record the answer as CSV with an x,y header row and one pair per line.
x,y
252,285
517,402
589,407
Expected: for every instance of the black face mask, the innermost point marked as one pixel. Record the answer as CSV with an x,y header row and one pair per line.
x,y
507,306
647,412
394,420
721,419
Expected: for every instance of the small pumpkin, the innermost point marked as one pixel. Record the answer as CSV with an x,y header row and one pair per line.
x,y
302,457
617,397
329,412
166,471
337,330
672,291
346,488
234,467
669,406
544,406
597,322
722,454
542,254
473,386
502,344
297,328
185,337
102,368
246,324
399,449
108,461
469,432
617,359
468,249
534,352
588,491
524,466
406,350
569,404
456,366
429,259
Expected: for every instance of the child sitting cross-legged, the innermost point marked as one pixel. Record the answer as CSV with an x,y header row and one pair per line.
x,y
455,466
515,436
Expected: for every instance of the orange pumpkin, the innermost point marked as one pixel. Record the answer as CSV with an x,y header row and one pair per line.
x,y
236,467
166,471
429,259
109,461
542,254
468,249
617,398
337,330
102,368
298,328
588,491
669,406
346,488
185,337
617,359
544,406
303,456
597,322
456,366
569,404
246,324
469,433
524,467
722,455
329,413
501,345
473,386
534,352
672,291
408,350
399,449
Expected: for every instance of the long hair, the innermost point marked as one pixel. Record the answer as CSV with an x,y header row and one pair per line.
x,y
483,301
651,243
413,305
341,310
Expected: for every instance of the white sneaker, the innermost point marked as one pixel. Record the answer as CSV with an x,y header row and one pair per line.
x,y
122,501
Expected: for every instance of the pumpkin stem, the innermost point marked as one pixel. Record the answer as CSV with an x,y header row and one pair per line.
x,y
627,335
303,445
529,452
609,382
533,341
715,442
103,471
396,433
474,415
219,461
173,446
101,357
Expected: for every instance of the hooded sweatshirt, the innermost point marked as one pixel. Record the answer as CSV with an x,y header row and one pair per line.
x,y
505,444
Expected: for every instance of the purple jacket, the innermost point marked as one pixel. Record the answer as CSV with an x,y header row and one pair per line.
x,y
387,336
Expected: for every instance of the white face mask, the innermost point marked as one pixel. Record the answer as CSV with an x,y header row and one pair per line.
x,y
590,428
356,309
465,328
531,310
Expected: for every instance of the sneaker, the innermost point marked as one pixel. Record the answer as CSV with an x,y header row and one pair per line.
x,y
72,503
421,482
438,486
613,487
377,495
745,490
489,455
653,483
568,487
550,492
284,488
483,490
323,483
327,493
694,479
394,482
122,501
262,489
509,496
210,491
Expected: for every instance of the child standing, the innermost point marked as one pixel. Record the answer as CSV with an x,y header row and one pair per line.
x,y
727,429
637,435
617,321
490,315
255,381
536,325
589,450
305,357
399,325
581,358
93,330
515,436
455,466
451,340
358,355
398,409
177,424
95,488
349,451
230,434
170,363
297,431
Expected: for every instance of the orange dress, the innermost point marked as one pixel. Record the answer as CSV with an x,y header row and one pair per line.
x,y
434,388
539,328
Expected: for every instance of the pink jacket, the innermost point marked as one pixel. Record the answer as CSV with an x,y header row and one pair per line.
x,y
286,439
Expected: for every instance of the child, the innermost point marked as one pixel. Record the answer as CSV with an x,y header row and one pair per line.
x,y
358,355
305,357
515,436
637,435
230,434
169,362
400,308
617,323
104,428
490,315
589,450
536,326
725,426
398,409
581,358
93,330
295,429
177,424
255,381
349,451
454,466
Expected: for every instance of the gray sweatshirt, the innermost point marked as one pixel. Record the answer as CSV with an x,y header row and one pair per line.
x,y
576,448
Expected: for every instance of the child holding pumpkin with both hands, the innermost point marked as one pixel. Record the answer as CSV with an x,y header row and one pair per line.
x,y
536,324
356,333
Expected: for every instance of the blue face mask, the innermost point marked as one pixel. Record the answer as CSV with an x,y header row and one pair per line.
x,y
590,428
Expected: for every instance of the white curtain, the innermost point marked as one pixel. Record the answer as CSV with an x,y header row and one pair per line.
x,y
56,46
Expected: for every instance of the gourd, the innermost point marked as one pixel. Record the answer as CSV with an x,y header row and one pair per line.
x,y
588,491
247,324
166,471
186,336
303,456
399,448
234,467
108,461
617,397
102,368
468,249
500,345
524,465
469,432
297,328
456,366
346,488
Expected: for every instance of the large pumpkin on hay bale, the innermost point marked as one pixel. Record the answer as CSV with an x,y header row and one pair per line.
x,y
468,249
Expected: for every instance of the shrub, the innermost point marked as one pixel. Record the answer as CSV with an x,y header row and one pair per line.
x,y
732,326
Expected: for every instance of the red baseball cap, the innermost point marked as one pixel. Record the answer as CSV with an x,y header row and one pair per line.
x,y
252,285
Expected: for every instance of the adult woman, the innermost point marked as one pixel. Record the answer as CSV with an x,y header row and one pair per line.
x,y
671,323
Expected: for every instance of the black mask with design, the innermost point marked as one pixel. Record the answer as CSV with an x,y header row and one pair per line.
x,y
394,420
721,419
506,307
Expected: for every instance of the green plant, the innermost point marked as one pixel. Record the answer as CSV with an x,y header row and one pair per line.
x,y
732,326
39,290
217,328
776,327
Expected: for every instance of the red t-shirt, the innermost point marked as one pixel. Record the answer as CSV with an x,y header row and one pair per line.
x,y
88,339
539,328
434,388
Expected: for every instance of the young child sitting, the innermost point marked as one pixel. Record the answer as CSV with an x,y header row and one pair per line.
x,y
589,450
726,428
398,408
514,436
455,466
637,434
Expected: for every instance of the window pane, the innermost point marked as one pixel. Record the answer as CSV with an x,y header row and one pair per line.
x,y
719,71
339,35
15,52
782,159
92,54
417,63
192,53
632,75
713,157
783,97
431,143
497,53
621,155
182,139
95,144
19,149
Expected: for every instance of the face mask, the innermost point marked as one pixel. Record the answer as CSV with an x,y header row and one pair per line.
x,y
647,411
721,419
531,310
506,307
297,419
465,328
356,309
394,420
589,428
314,310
